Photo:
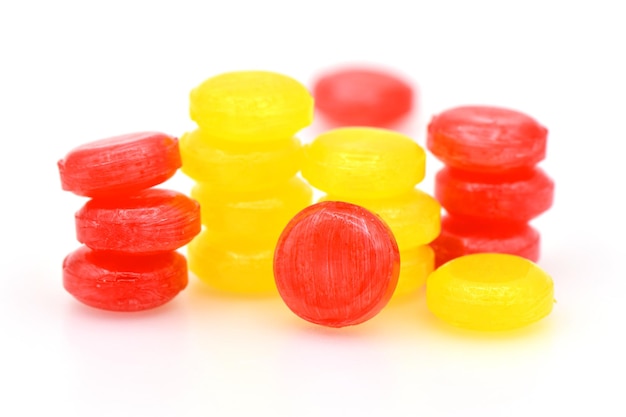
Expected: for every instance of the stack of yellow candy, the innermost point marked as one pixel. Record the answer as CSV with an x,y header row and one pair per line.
x,y
378,169
244,158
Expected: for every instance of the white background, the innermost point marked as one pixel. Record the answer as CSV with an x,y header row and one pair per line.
x,y
73,72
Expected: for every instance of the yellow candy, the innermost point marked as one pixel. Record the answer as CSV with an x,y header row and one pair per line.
x,y
360,162
489,291
254,215
415,266
413,217
236,166
251,106
245,267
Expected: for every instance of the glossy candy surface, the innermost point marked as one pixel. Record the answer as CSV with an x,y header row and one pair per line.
x,y
363,163
152,220
490,292
233,166
413,217
124,282
243,267
251,106
486,139
463,237
517,200
254,215
120,165
415,266
362,97
336,264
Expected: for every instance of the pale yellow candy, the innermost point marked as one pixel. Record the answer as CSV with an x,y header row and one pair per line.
x,y
489,291
361,162
415,266
236,166
244,267
254,215
251,106
414,217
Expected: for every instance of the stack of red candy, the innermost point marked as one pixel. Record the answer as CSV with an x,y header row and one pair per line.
x,y
130,231
490,187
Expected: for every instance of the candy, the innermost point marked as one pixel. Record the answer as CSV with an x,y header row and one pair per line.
x,y
152,220
243,267
486,139
124,282
413,217
490,292
362,97
518,200
336,264
462,237
251,106
363,163
120,165
416,263
239,167
254,215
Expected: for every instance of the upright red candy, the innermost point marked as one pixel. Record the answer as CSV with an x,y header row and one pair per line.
x,y
336,264
124,282
153,220
362,97
120,165
486,139
516,200
461,237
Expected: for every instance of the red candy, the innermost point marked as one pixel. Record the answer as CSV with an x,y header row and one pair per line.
x,y
517,200
120,165
152,220
124,282
486,139
336,264
362,97
461,237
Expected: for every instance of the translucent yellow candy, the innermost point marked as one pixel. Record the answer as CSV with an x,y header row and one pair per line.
x,y
238,166
359,162
251,106
253,215
413,217
415,266
245,267
489,291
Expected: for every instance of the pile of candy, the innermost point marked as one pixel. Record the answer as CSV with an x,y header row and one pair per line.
x,y
337,262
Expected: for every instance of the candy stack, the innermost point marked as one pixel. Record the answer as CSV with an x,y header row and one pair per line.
x,y
378,170
245,159
130,231
490,187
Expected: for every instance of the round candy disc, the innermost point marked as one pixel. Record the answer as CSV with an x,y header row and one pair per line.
x,y
516,200
486,139
363,163
415,266
232,166
336,264
362,97
120,165
153,220
251,106
124,282
489,291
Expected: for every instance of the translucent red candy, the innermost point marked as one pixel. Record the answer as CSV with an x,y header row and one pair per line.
x,y
149,221
486,139
120,165
336,264
517,200
120,282
461,237
362,97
